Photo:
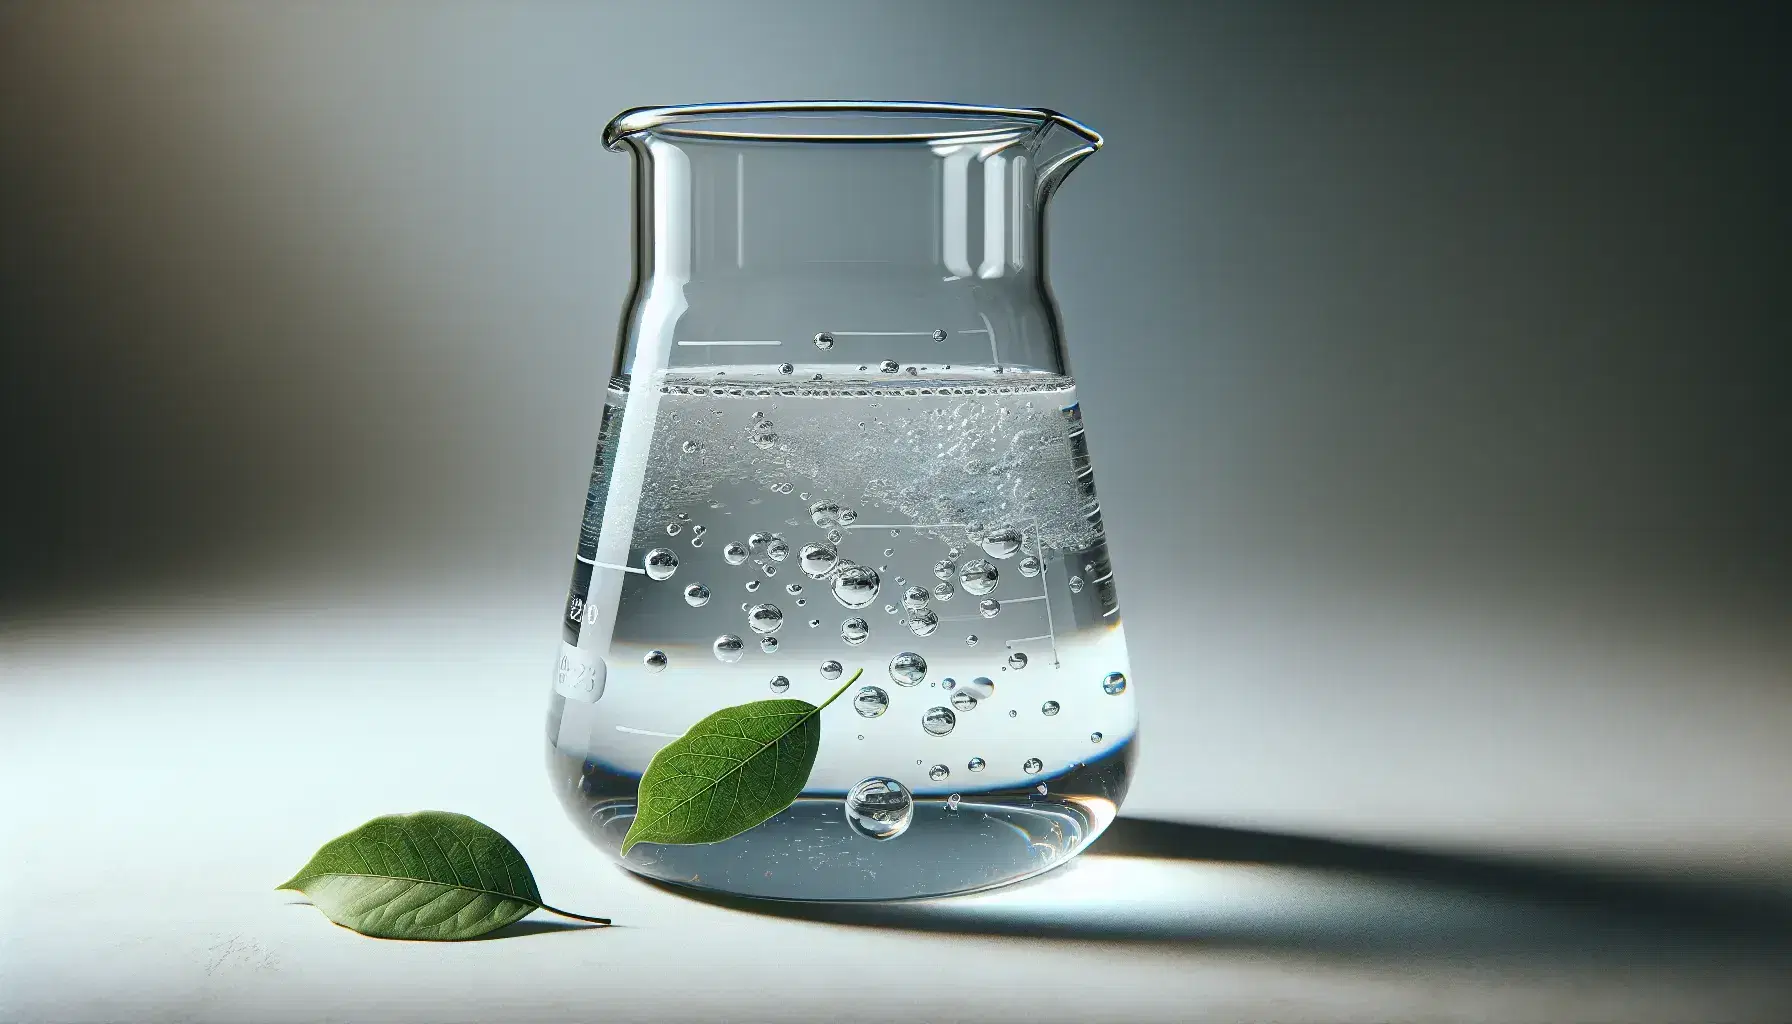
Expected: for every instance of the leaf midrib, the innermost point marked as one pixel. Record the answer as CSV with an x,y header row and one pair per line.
x,y
763,747
407,878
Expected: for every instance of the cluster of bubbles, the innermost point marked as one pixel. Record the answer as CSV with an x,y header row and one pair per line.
x,y
878,807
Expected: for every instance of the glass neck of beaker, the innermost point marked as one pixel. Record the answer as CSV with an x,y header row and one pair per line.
x,y
762,227
929,190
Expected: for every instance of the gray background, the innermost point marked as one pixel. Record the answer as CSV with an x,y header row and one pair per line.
x,y
1434,358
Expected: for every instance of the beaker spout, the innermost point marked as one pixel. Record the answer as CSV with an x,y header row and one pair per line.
x,y
1062,145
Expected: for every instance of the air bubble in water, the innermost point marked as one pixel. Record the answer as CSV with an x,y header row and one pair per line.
x,y
690,447
879,808
1012,714
1095,737
696,542
939,334
824,341
768,644
817,560
780,684
1113,684
1033,766
814,623
696,595
923,621
888,366
889,552
786,369
752,585
981,687
914,597
889,609
728,648
976,764
672,529
977,577
854,631
848,517
777,550
769,569
964,701
1076,584
793,589
1049,708
952,803
758,542
660,563
971,640
908,669
699,530
943,569
943,591
989,607
765,618
834,536
938,721
655,661
1029,567
938,772
824,513
734,552
830,669
1002,542
1017,661
856,587
871,701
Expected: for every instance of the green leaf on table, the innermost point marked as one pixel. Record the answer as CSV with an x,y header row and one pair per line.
x,y
729,772
429,875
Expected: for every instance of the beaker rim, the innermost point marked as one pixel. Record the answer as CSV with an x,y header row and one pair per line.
x,y
839,121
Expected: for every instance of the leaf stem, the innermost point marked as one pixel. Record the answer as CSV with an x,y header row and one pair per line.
x,y
843,689
575,917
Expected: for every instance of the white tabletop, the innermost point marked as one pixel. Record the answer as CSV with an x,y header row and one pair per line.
x,y
167,768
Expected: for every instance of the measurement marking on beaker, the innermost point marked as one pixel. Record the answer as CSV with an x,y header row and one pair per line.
x,y
901,526
1023,600
1038,552
1024,639
882,334
646,732
994,360
607,565
711,344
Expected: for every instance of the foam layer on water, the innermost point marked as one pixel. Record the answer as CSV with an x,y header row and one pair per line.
x,y
958,447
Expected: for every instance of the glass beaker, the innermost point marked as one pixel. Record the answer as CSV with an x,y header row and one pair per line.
x,y
841,433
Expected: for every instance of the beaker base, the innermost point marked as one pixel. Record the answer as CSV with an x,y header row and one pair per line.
x,y
809,851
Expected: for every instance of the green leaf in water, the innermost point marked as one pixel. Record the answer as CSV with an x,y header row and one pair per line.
x,y
729,772
429,875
